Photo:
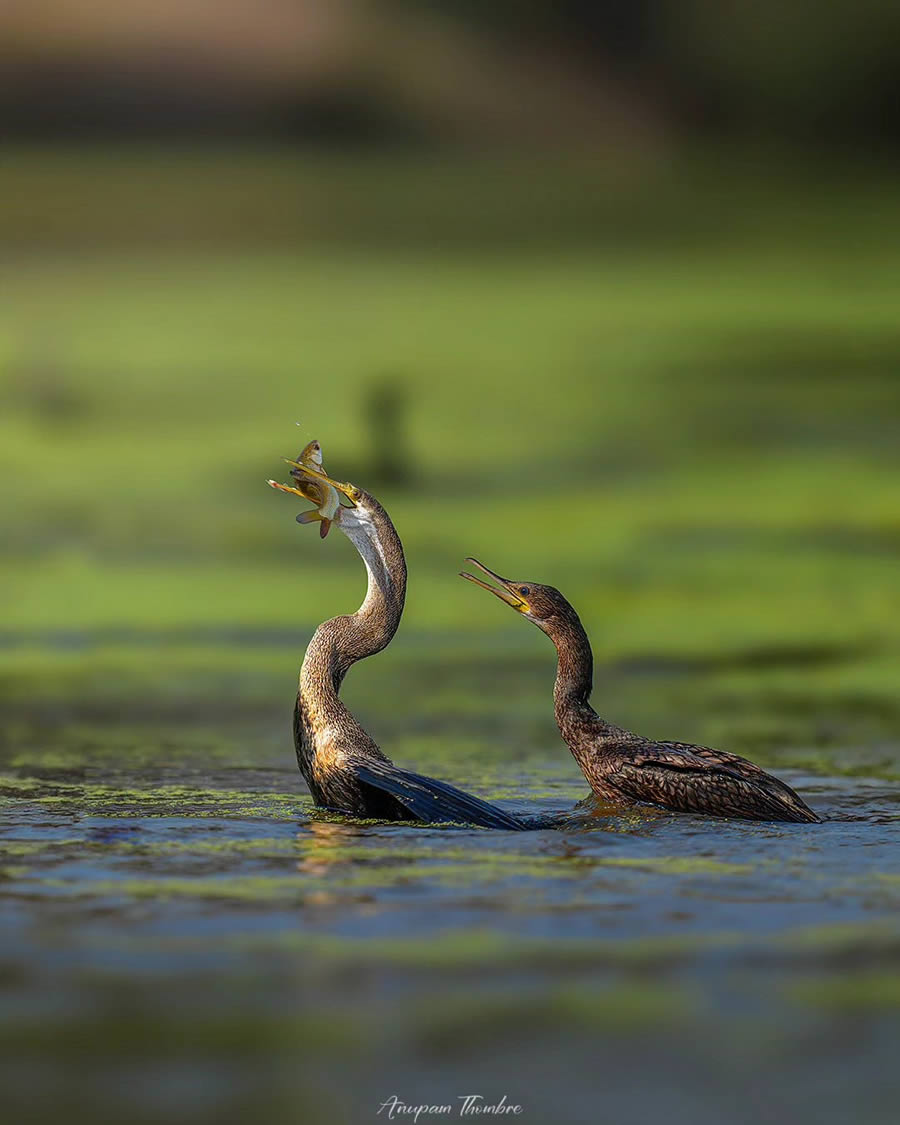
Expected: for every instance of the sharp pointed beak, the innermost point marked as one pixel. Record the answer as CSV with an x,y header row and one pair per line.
x,y
306,494
506,592
299,472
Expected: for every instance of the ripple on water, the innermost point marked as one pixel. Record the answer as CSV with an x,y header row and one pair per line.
x,y
466,941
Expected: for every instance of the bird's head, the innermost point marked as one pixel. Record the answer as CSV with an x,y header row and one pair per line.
x,y
544,605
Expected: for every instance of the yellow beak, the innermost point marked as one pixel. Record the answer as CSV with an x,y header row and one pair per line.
x,y
306,494
348,490
507,591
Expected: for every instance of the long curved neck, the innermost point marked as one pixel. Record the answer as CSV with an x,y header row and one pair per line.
x,y
578,722
339,643
574,665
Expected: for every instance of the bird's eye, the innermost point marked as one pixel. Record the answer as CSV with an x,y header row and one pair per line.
x,y
524,590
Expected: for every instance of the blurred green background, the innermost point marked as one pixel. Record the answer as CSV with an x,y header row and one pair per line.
x,y
684,415
618,281
605,294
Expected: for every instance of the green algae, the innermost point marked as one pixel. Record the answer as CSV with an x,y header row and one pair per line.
x,y
841,940
37,847
247,888
264,845
726,526
487,950
627,1007
194,847
328,872
680,865
99,799
856,992
493,861
480,949
299,885
232,1038
11,873
706,578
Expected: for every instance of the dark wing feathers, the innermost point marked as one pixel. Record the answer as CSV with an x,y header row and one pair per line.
x,y
699,779
432,801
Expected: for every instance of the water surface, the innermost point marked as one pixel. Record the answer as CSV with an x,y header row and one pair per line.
x,y
173,907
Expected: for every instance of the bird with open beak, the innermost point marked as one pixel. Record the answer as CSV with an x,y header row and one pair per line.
x,y
625,768
345,769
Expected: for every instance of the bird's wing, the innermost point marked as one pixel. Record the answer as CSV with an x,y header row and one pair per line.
x,y
432,801
690,756
700,779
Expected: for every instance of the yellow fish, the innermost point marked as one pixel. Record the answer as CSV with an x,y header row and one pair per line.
x,y
324,496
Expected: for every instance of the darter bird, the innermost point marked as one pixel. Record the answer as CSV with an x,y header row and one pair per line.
x,y
342,765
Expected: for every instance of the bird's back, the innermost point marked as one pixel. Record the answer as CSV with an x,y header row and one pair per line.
x,y
688,778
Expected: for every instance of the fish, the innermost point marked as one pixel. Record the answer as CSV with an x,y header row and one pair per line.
x,y
324,496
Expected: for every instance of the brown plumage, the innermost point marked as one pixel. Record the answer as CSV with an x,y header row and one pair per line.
x,y
343,767
625,768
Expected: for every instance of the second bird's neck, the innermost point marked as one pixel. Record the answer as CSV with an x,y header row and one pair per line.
x,y
574,667
576,719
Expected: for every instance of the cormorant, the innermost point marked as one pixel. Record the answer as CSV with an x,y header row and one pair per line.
x,y
625,768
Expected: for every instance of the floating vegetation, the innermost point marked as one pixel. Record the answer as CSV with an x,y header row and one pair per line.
x,y
718,494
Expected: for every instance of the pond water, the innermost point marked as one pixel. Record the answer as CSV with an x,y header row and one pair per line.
x,y
185,939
